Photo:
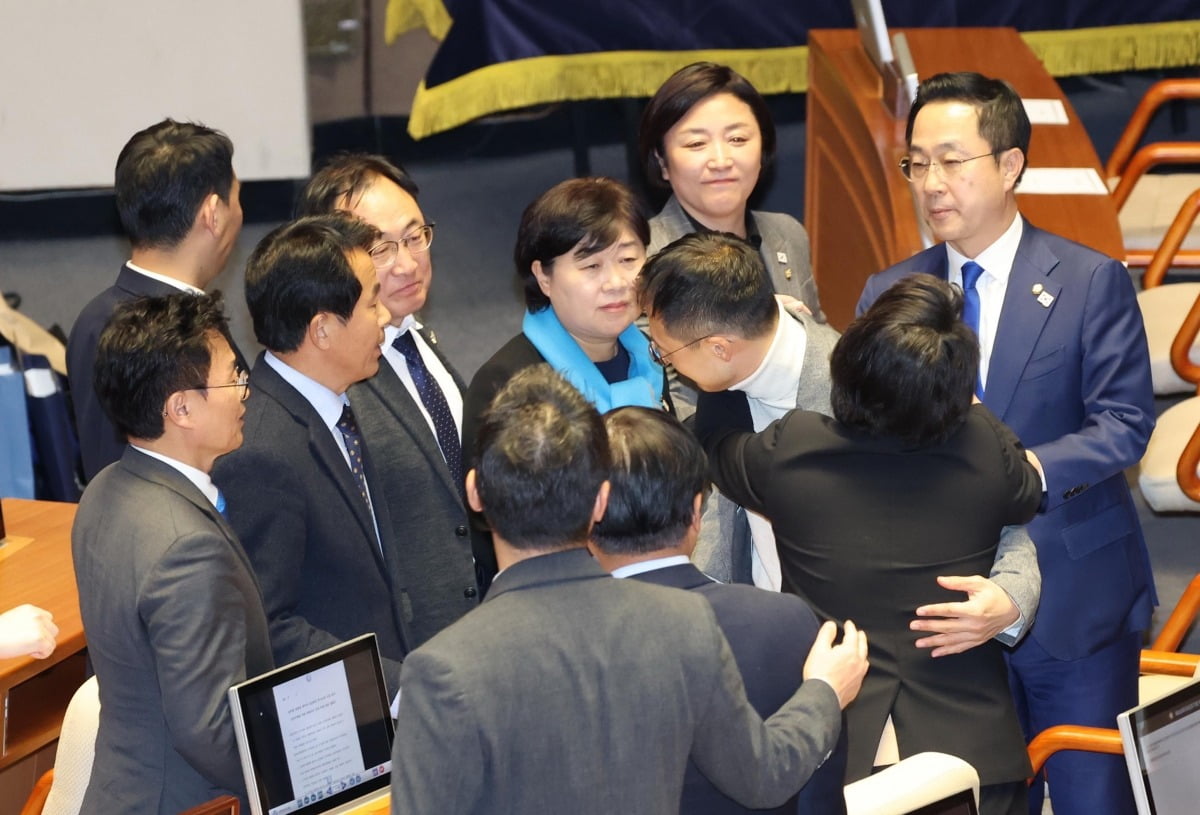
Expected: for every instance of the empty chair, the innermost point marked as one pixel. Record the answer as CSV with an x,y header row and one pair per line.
x,y
916,782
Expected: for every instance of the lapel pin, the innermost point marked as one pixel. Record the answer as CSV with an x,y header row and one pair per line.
x,y
787,274
781,257
1038,288
1045,298
432,337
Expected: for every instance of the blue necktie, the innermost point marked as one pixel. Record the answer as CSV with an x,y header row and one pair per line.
x,y
970,276
354,449
435,404
220,505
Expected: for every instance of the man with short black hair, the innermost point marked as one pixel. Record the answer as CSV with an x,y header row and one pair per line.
x,y
171,607
410,412
303,490
718,322
658,485
178,200
568,691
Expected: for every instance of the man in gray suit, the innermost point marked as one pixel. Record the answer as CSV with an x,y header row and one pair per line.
x,y
410,412
568,691
657,487
170,604
712,315
303,489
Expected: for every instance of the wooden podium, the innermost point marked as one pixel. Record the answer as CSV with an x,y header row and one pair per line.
x,y
36,568
860,211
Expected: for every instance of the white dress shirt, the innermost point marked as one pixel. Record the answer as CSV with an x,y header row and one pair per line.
x,y
170,281
771,393
201,479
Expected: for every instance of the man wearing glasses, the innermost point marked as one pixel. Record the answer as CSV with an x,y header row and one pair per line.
x,y
170,604
411,411
1063,362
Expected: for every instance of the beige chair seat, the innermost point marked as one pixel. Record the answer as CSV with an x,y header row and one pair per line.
x,y
1163,311
913,783
1153,205
1156,473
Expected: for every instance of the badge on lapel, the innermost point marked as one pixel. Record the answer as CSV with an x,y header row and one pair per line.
x,y
1044,297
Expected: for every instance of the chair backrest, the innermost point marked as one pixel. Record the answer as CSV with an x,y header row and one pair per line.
x,y
917,781
76,749
223,805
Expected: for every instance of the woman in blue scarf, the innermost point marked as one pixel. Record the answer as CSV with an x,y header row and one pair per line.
x,y
579,249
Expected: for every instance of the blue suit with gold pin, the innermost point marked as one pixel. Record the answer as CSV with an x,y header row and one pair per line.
x,y
1070,374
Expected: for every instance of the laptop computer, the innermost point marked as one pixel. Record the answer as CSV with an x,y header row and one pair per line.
x,y
315,737
1162,751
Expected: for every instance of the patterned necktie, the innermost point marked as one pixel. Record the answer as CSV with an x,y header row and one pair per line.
x,y
970,276
435,404
354,449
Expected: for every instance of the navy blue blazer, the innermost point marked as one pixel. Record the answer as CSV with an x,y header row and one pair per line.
x,y
99,442
1071,377
770,635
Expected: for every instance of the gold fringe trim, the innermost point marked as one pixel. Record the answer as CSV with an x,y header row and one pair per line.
x,y
603,75
1139,47
408,15
521,83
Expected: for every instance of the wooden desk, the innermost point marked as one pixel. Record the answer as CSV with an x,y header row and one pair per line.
x,y
859,209
36,691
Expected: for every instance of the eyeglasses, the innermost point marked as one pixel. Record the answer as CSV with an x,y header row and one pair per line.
x,y
242,381
916,171
659,357
383,254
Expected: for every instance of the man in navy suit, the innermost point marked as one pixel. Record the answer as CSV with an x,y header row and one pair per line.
x,y
658,484
1064,364
177,196
411,411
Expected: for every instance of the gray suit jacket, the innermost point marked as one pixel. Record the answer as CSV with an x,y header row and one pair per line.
x,y
725,555
429,562
569,691
297,510
173,616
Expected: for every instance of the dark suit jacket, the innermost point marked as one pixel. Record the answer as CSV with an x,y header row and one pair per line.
x,y
297,510
430,566
99,441
770,635
1072,379
174,617
569,691
515,355
864,525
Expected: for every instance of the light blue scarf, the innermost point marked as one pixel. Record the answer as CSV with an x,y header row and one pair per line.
x,y
643,387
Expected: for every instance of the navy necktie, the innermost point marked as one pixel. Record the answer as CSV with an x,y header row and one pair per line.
x,y
970,277
435,404
354,449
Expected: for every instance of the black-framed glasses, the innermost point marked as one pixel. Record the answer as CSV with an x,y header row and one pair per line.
x,y
915,171
659,357
242,381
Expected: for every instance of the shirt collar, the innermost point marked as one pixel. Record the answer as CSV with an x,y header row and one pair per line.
x,y
775,379
201,479
170,281
390,332
996,260
643,566
325,402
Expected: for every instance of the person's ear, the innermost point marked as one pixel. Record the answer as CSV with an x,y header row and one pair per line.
x,y
473,491
601,504
210,216
542,276
1012,161
721,346
176,409
662,166
318,330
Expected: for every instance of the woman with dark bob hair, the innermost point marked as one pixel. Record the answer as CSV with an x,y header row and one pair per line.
x,y
580,247
707,135
910,481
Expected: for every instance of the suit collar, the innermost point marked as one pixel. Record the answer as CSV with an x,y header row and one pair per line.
x,y
682,576
265,382
158,472
556,567
1022,317
137,284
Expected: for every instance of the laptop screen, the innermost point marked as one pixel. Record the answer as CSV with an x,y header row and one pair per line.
x,y
1162,747
317,733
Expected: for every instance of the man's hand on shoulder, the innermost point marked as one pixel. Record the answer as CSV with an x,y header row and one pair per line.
x,y
840,666
957,627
